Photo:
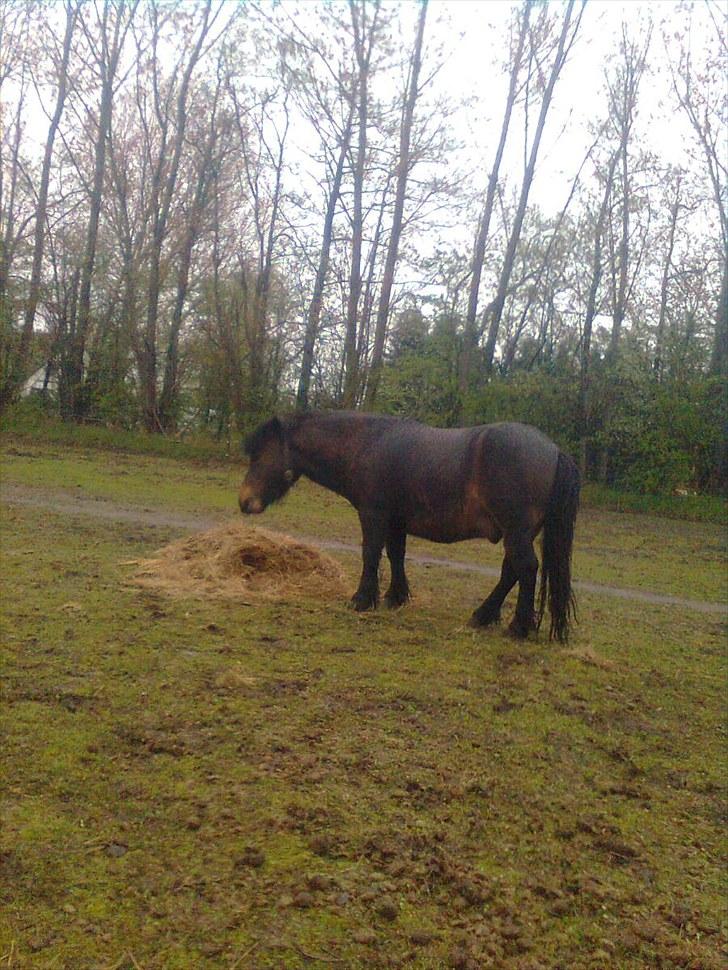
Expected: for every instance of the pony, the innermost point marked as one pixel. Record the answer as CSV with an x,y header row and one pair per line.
x,y
504,481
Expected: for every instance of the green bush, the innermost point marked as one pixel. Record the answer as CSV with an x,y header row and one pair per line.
x,y
547,401
655,465
29,420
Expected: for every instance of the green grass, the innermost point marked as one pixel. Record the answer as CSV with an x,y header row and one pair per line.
x,y
675,557
194,784
695,508
28,425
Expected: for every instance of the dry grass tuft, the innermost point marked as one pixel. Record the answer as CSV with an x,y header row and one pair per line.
x,y
235,561
591,658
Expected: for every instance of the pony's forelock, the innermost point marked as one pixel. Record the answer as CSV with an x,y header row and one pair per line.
x,y
257,440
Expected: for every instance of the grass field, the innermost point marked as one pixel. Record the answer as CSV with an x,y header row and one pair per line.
x,y
284,784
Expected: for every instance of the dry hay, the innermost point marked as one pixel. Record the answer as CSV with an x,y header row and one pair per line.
x,y
591,658
235,561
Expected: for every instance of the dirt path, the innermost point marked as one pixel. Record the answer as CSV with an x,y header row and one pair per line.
x,y
67,503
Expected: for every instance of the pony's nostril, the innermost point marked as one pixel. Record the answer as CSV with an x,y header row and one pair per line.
x,y
250,505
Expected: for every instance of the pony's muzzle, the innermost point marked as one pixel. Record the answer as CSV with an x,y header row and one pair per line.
x,y
249,504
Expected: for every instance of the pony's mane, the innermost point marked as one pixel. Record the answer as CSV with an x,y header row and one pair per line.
x,y
281,426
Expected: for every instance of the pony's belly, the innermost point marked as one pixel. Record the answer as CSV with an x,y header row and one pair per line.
x,y
445,529
436,533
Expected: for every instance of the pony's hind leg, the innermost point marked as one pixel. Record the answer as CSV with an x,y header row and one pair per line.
x,y
519,550
374,531
489,610
398,592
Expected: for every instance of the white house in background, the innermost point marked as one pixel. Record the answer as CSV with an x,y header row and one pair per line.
x,y
36,382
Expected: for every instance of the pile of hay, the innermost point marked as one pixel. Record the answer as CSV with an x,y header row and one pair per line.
x,y
238,562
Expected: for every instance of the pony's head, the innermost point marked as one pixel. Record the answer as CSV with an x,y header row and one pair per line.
x,y
270,473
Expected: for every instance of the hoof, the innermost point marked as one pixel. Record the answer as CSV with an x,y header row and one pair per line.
x,y
520,631
478,620
395,600
361,604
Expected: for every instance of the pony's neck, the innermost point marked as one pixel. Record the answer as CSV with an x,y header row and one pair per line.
x,y
321,448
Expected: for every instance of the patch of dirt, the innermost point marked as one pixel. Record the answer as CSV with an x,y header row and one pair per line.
x,y
237,562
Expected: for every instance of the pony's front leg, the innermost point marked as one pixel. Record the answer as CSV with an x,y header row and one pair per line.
x,y
374,533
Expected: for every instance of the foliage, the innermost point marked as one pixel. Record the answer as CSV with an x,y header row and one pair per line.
x,y
541,398
689,507
30,421
217,234
656,436
421,379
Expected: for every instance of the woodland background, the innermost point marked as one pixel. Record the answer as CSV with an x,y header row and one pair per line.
x,y
210,211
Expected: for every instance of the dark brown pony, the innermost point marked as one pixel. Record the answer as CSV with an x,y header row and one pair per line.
x,y
498,481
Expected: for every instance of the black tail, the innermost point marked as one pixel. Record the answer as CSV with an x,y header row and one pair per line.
x,y
558,538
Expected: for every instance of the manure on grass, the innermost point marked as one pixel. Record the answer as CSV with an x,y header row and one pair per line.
x,y
235,561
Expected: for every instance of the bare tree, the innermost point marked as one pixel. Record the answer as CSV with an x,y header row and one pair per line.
x,y
472,334
18,359
365,32
16,24
13,31
597,269
105,45
314,311
539,268
623,87
701,95
403,171
675,207
262,131
15,20
206,162
164,150
567,36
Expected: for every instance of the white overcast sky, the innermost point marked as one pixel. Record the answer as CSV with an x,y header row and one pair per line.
x,y
579,97
473,34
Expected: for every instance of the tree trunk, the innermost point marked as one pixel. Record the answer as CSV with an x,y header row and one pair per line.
x,y
665,284
591,312
78,345
363,45
471,335
403,170
719,356
9,237
314,310
508,261
163,190
168,399
170,385
712,142
19,360
619,310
